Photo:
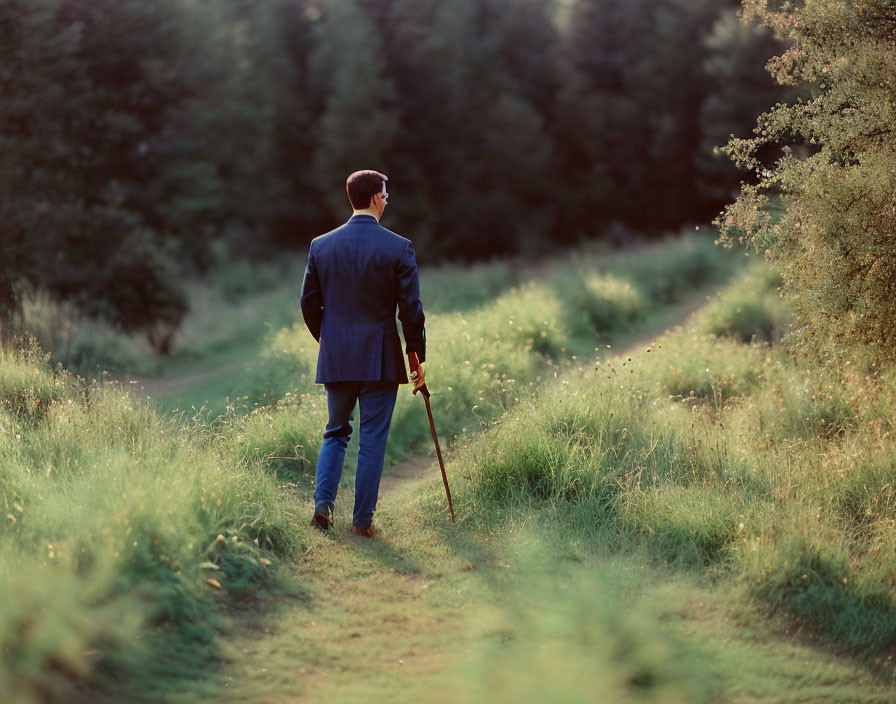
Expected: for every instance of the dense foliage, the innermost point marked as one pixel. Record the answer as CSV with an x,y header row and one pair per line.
x,y
837,178
140,139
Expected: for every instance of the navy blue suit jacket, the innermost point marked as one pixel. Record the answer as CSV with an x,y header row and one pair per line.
x,y
356,277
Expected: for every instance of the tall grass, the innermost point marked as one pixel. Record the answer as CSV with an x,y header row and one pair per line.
x,y
238,304
78,342
113,520
713,452
121,526
486,353
578,639
230,311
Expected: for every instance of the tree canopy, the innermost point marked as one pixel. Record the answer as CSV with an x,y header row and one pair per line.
x,y
144,140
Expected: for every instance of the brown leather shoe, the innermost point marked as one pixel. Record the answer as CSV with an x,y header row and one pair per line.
x,y
364,531
321,521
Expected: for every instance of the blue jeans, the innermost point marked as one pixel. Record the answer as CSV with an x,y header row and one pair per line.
x,y
377,401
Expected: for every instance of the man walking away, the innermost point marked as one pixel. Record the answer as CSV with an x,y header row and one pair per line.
x,y
357,275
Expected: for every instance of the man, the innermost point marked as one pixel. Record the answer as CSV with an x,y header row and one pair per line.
x,y
356,277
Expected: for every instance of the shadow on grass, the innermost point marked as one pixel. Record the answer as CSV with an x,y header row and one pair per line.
x,y
185,659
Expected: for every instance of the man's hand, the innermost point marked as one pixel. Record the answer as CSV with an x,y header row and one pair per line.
x,y
417,373
418,378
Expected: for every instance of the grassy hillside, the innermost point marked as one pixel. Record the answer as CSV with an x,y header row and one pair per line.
x,y
121,525
717,454
613,542
707,456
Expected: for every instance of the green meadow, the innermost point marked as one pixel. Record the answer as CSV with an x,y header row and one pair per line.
x,y
647,511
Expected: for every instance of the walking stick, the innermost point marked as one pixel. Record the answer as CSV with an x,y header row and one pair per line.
x,y
435,439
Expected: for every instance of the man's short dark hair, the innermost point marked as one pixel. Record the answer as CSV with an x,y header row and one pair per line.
x,y
364,185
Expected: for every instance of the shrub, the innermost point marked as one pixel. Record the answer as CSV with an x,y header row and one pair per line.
x,y
81,344
749,310
832,233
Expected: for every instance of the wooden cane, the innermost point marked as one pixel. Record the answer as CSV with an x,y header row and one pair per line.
x,y
435,439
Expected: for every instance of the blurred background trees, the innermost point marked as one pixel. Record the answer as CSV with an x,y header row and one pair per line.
x,y
145,140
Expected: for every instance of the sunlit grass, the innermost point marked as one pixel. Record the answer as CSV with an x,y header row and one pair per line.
x,y
713,452
483,359
143,519
122,514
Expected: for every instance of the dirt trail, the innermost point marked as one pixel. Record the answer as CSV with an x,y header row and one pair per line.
x,y
407,471
681,312
159,386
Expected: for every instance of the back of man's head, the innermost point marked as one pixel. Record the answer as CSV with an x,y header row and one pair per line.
x,y
362,186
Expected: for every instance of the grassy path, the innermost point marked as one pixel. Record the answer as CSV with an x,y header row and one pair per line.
x,y
414,616
396,620
161,387
594,559
372,608
200,385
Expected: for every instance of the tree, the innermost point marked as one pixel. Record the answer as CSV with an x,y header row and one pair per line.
x,y
89,91
300,101
642,65
604,39
358,124
834,233
40,68
668,84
